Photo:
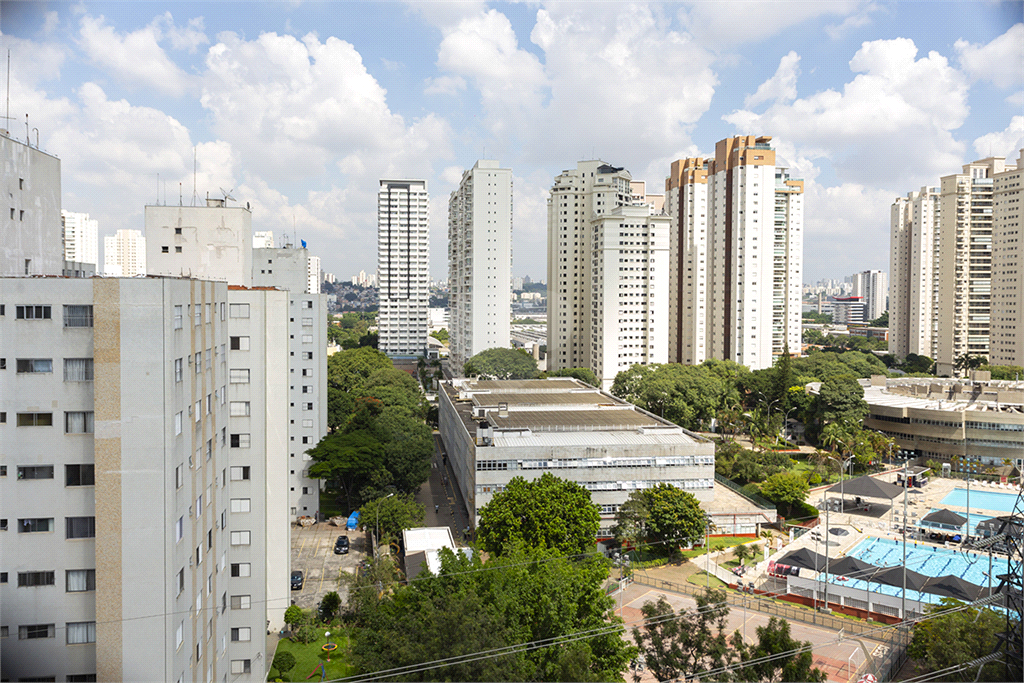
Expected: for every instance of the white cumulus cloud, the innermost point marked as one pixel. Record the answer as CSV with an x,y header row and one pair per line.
x,y
1000,61
1006,143
781,87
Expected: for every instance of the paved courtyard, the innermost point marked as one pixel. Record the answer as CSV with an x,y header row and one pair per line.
x,y
313,554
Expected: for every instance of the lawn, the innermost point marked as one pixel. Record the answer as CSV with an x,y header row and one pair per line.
x,y
701,579
309,657
717,543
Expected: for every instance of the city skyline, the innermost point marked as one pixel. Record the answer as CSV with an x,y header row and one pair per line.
x,y
299,110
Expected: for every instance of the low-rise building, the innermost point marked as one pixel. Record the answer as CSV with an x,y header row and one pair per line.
x,y
496,430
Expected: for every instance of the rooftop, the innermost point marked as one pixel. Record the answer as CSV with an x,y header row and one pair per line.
x,y
952,395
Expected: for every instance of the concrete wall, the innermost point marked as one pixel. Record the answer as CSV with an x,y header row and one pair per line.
x,y
31,224
210,242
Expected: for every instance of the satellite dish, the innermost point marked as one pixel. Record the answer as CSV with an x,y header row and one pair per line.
x,y
227,194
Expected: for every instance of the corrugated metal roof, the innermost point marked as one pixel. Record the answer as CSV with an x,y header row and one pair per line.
x,y
586,398
565,420
589,438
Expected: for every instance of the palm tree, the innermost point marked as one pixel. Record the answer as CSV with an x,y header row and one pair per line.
x,y
743,552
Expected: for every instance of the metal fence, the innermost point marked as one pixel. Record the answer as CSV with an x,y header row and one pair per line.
x,y
752,497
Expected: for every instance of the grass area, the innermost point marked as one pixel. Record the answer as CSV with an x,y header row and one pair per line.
x,y
701,579
330,507
309,657
718,544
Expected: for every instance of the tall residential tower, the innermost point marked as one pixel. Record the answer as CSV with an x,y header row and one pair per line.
x,y
403,258
81,243
480,262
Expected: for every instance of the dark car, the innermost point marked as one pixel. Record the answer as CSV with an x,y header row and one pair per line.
x,y
297,581
341,546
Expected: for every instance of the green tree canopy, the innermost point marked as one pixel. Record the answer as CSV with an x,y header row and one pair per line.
x,y
349,458
880,321
546,513
582,374
690,396
788,488
955,638
1007,372
348,370
841,399
767,660
499,363
676,517
684,644
393,514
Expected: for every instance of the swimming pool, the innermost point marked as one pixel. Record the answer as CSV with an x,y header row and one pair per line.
x,y
982,500
927,560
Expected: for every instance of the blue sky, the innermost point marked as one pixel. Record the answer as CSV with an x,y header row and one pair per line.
x,y
300,107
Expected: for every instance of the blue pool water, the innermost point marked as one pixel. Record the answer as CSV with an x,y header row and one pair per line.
x,y
930,561
982,500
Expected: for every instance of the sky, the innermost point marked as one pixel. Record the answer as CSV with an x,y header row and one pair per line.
x,y
299,108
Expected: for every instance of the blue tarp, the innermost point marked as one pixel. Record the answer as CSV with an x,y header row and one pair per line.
x,y
353,521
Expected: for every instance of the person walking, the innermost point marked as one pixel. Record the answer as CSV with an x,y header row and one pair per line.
x,y
436,509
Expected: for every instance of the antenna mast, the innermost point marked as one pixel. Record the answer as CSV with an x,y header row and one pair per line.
x,y
7,117
195,195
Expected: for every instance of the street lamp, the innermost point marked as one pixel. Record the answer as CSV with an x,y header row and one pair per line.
x,y
377,539
828,508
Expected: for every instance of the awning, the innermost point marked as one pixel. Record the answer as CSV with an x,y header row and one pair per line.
x,y
852,568
805,559
868,487
951,586
947,517
893,576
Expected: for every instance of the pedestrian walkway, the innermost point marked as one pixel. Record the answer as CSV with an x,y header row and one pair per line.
x,y
441,498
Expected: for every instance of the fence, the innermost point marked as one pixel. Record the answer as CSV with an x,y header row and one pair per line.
x,y
752,497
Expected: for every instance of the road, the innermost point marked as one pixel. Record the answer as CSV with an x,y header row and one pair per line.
x,y
440,490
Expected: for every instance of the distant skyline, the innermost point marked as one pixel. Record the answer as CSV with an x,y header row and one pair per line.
x,y
299,108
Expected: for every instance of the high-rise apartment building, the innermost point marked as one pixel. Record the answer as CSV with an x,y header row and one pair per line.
x,y
212,242
124,254
263,239
313,277
146,529
1006,345
738,252
403,258
607,276
30,239
873,288
81,241
914,236
480,262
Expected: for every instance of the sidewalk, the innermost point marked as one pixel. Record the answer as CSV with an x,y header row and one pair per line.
x,y
440,490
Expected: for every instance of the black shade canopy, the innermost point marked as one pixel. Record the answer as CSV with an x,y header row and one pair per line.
x,y
805,559
893,576
868,487
852,568
947,517
951,586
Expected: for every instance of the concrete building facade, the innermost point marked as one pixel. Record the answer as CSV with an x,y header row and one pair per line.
x,y
750,285
1006,344
873,287
915,233
496,430
30,240
480,262
212,242
145,527
124,254
403,262
81,240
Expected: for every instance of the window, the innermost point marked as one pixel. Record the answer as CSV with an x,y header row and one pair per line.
x,y
307,372
78,422
81,678
307,339
240,473
165,250
241,634
80,580
181,580
78,370
35,365
80,527
35,524
79,475
239,376
198,412
240,601
179,529
32,312
80,632
29,579
239,343
3,524
177,250
35,472
240,666
3,420
307,322
199,362
240,504
307,406
177,423
307,388
307,423
3,631
177,317
239,310
241,569
239,408
307,355
177,369
178,479
35,631
35,419
78,316
179,638
241,538
3,363
239,440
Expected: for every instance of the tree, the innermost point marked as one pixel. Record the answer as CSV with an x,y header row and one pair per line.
x,y
955,638
968,361
788,488
880,321
350,459
441,335
499,363
546,513
915,364
1007,372
687,645
393,514
585,375
348,370
676,517
841,398
329,605
284,661
293,615
744,552
813,336
773,664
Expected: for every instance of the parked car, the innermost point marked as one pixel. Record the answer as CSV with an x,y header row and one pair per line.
x,y
341,546
297,580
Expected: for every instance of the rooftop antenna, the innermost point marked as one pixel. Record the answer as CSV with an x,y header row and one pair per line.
x,y
227,195
158,189
195,195
7,117
179,195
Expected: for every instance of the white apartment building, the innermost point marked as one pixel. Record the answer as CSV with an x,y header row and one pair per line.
x,y
124,254
913,263
81,241
403,258
753,253
1006,344
30,239
263,239
629,291
873,287
579,196
287,269
144,531
313,274
193,241
480,262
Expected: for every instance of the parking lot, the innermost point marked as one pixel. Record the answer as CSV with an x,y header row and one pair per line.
x,y
313,555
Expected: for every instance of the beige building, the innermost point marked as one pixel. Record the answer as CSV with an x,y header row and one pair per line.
x,y
1006,344
913,267
738,253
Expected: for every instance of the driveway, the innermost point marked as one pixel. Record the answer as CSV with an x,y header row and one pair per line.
x,y
313,554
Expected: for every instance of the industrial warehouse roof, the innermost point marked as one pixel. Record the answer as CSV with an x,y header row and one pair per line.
x,y
527,385
551,398
563,420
